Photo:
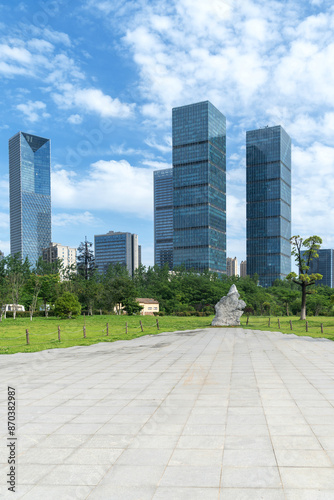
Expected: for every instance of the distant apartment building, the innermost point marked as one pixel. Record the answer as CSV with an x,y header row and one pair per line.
x,y
243,268
66,254
231,266
199,183
163,217
268,188
29,195
117,248
324,264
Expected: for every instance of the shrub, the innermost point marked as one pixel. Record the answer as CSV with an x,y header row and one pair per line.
x,y
67,305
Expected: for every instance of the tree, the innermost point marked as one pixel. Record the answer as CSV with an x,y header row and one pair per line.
x,y
17,272
118,287
85,259
303,259
88,290
4,286
131,306
49,289
32,289
67,305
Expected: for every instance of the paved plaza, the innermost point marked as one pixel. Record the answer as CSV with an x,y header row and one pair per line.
x,y
222,414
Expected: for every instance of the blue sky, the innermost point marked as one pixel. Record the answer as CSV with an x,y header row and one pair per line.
x,y
100,78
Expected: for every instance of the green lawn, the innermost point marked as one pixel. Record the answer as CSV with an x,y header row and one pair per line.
x,y
298,326
43,332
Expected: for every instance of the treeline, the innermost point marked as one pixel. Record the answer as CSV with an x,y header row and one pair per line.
x,y
50,289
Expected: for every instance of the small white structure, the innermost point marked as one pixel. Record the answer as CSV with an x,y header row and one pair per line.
x,y
13,307
150,306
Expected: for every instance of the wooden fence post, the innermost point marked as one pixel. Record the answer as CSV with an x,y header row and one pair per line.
x,y
269,322
126,327
290,324
59,333
84,331
279,324
27,336
306,326
141,325
322,328
157,324
107,328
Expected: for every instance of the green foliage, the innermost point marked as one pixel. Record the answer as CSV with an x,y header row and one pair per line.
x,y
67,305
131,306
303,259
85,259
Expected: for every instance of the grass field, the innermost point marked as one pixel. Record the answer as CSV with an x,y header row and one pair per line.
x,y
43,332
298,326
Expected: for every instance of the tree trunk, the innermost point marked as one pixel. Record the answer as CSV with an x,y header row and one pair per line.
x,y
287,308
303,310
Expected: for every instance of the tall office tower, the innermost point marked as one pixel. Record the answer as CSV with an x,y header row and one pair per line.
x,y
243,268
29,195
324,264
163,217
199,181
268,161
56,251
231,266
116,247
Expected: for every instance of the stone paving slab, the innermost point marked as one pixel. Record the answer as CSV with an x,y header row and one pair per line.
x,y
207,414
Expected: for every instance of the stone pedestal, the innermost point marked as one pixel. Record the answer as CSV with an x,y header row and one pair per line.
x,y
229,309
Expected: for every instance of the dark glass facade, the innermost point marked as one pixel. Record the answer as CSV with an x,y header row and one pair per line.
x,y
324,265
29,195
116,248
199,185
163,217
268,165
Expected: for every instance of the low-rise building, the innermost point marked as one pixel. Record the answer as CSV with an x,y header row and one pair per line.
x,y
150,306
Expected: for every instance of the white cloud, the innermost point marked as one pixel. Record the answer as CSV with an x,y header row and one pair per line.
x,y
17,54
40,45
75,119
157,164
312,201
33,110
65,219
114,186
92,100
163,148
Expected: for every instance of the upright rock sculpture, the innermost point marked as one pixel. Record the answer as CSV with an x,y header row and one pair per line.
x,y
229,309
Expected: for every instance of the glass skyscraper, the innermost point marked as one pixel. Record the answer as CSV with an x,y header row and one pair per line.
x,y
29,195
163,217
324,264
116,247
199,180
268,166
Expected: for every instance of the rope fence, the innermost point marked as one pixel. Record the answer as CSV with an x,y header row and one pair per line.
x,y
85,332
291,326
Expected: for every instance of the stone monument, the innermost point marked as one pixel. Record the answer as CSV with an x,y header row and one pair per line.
x,y
229,309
